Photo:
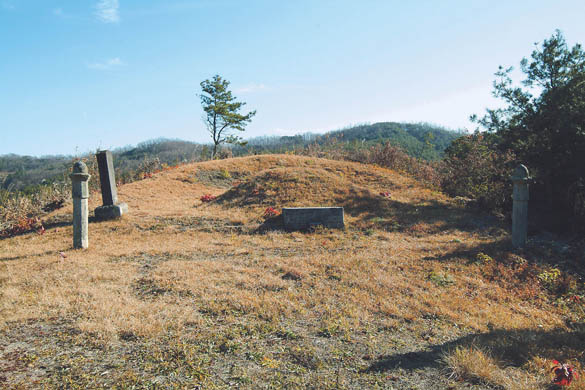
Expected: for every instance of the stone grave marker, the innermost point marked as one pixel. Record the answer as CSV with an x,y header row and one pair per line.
x,y
111,207
299,218
80,193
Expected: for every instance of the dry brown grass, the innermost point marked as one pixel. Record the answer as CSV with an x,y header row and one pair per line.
x,y
475,365
483,365
193,293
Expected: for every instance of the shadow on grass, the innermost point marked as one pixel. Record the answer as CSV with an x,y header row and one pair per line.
x,y
53,223
370,209
271,224
539,253
13,258
495,249
432,217
435,216
512,348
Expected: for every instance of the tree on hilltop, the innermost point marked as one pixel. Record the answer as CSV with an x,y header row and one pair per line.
x,y
543,122
222,112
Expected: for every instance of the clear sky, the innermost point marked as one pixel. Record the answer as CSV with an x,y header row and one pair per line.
x,y
79,75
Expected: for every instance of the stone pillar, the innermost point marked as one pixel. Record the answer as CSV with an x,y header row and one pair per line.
x,y
107,178
111,208
80,193
520,196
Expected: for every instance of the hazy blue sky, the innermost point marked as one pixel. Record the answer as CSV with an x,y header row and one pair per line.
x,y
79,75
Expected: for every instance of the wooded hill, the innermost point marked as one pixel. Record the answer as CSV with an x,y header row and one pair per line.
x,y
418,140
421,140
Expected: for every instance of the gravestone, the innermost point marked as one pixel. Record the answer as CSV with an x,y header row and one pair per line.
x,y
300,218
111,208
520,196
80,193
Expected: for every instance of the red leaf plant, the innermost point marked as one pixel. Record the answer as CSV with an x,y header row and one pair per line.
x,y
207,198
23,225
563,373
270,212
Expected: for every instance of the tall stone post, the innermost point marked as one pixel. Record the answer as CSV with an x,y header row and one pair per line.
x,y
520,196
80,192
111,207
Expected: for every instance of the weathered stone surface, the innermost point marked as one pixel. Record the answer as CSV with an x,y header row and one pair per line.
x,y
298,218
80,193
112,211
107,177
520,178
111,208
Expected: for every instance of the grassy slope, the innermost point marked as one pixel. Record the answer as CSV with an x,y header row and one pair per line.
x,y
180,292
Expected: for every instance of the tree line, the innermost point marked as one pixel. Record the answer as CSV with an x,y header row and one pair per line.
x,y
542,126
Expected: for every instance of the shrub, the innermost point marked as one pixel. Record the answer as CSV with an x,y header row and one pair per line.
x,y
147,168
384,155
542,123
270,212
20,211
440,279
207,198
225,174
389,156
474,168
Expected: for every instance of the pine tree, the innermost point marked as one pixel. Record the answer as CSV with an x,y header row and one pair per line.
x,y
222,113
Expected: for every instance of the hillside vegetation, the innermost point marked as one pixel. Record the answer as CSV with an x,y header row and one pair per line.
x,y
26,173
418,140
417,292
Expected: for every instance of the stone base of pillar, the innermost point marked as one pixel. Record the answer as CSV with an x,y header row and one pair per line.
x,y
111,212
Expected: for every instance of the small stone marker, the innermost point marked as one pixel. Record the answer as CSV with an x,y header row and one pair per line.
x,y
80,193
298,218
111,208
520,178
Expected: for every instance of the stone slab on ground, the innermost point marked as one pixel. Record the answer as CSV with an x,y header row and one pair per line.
x,y
299,218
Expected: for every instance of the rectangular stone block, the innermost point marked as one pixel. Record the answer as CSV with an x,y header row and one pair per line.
x,y
299,218
107,177
111,212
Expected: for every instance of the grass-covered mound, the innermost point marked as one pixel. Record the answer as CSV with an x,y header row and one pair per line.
x,y
298,187
416,292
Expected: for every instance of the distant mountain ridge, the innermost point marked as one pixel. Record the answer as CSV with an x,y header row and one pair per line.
x,y
420,140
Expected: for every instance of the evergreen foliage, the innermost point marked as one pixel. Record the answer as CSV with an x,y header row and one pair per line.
x,y
543,124
222,112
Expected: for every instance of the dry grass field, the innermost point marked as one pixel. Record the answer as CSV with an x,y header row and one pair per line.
x,y
418,292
